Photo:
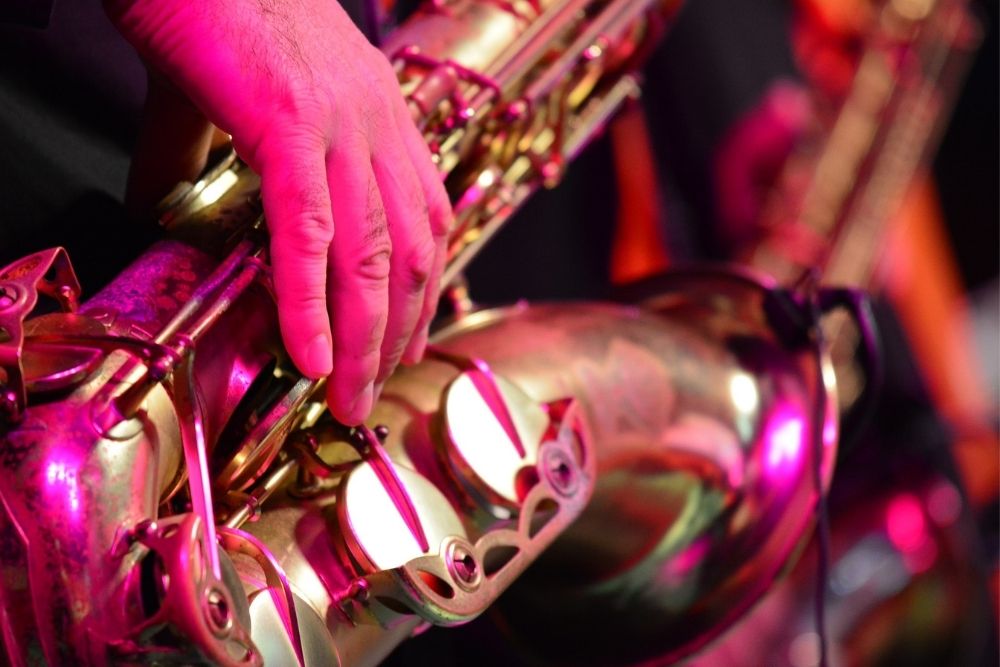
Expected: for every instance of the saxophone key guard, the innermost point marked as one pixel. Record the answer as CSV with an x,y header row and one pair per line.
x,y
525,474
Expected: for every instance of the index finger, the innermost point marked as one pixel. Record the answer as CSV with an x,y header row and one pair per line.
x,y
297,207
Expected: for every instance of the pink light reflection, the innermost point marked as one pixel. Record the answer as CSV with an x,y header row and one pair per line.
x,y
678,568
905,523
784,439
830,432
62,480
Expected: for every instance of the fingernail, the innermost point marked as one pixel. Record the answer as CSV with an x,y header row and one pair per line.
x,y
319,357
363,405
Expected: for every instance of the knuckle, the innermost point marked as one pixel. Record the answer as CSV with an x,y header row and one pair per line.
x,y
299,134
419,263
374,266
308,236
441,224
299,108
307,130
293,304
376,91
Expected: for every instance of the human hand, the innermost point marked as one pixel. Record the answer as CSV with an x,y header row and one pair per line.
x,y
357,213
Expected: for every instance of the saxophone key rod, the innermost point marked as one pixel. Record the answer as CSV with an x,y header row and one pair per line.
x,y
613,20
249,508
528,49
192,425
627,88
525,53
252,267
174,346
226,269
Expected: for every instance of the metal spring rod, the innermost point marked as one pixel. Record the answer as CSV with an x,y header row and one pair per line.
x,y
181,345
222,273
261,494
251,268
627,88
196,457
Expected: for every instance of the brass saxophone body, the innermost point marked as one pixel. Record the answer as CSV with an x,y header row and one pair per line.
x,y
174,492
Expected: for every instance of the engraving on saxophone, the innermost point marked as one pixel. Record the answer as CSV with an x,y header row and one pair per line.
x,y
153,288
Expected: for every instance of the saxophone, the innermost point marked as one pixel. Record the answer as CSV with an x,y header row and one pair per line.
x,y
173,491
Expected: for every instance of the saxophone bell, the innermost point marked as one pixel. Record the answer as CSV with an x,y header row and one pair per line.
x,y
714,422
